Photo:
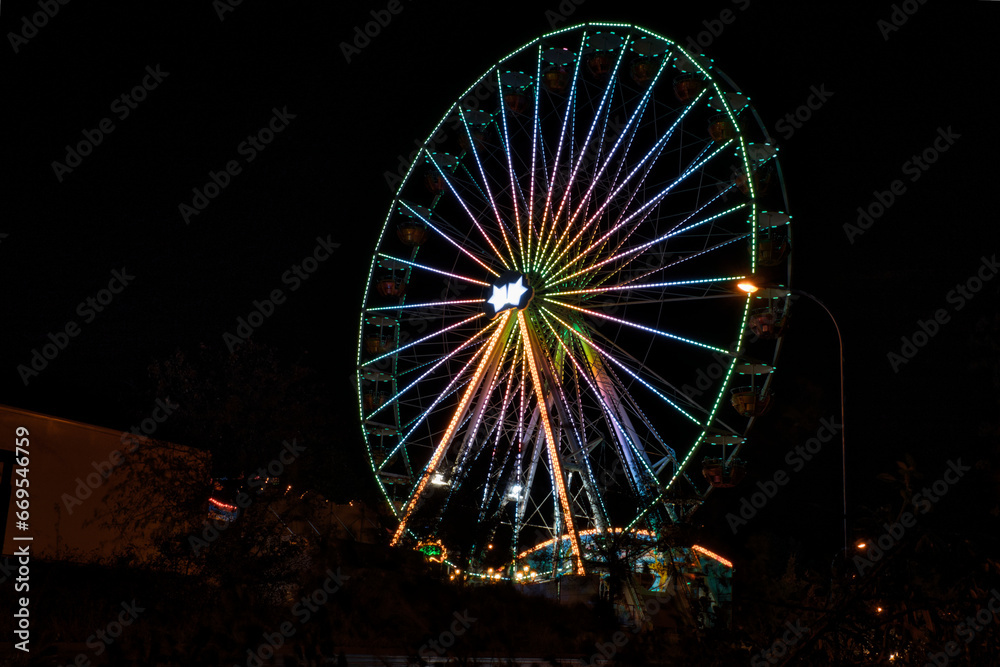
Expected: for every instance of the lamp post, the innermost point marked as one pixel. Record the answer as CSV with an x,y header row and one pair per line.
x,y
749,286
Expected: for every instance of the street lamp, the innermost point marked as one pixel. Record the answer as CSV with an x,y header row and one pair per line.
x,y
750,286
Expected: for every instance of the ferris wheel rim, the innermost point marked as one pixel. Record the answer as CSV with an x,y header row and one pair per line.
x,y
399,201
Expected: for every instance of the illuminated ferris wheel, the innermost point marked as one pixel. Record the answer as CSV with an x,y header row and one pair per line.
x,y
551,343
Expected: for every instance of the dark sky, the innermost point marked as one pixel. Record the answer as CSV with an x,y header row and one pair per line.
x,y
222,78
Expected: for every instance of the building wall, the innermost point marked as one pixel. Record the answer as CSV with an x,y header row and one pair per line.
x,y
72,469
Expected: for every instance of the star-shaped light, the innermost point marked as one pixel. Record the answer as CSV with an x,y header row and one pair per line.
x,y
507,295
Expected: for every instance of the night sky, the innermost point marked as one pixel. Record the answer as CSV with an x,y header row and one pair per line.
x,y
221,75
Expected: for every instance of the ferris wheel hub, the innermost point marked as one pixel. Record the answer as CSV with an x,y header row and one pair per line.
x,y
510,291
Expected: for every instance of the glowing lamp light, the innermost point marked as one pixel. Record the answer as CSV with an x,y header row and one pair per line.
x,y
508,292
861,545
515,492
439,480
747,286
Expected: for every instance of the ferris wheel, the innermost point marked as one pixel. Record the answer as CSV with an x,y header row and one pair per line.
x,y
551,343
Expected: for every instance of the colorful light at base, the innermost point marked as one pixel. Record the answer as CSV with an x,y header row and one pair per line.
x,y
712,554
552,443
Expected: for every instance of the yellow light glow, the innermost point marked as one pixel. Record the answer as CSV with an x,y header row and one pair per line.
x,y
551,443
711,554
861,545
747,286
583,533
442,447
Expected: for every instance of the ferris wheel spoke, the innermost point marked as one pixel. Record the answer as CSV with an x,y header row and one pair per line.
x,y
477,409
552,444
598,113
511,171
433,270
659,196
628,130
647,162
613,359
450,183
460,246
489,192
443,360
634,325
536,141
432,304
426,338
644,211
578,455
630,287
629,440
458,415
716,247
556,160
632,253
456,383
493,479
511,181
